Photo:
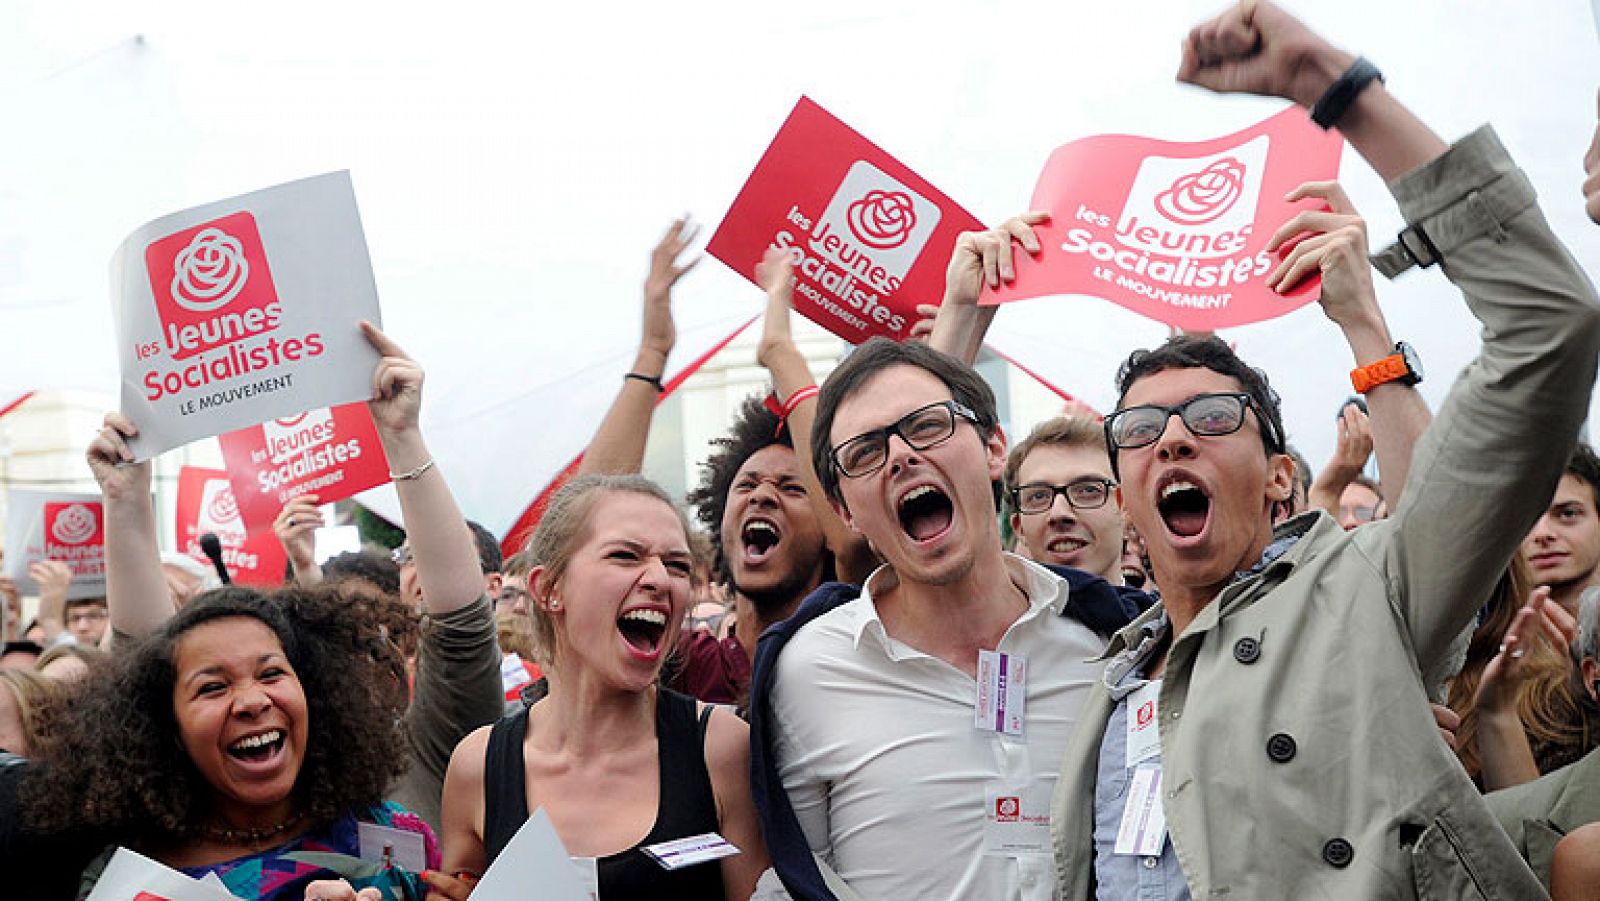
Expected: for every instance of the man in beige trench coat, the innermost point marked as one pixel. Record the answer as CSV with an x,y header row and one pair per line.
x,y
1271,707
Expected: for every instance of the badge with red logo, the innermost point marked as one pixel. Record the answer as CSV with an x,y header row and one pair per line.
x,y
332,452
869,237
243,310
1007,809
1175,232
206,503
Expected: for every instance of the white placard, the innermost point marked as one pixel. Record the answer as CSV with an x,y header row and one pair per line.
x,y
50,525
243,310
534,858
130,875
331,541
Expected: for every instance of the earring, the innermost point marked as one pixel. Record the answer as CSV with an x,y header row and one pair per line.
x,y
553,605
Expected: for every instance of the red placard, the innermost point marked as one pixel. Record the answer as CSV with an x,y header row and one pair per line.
x,y
870,238
206,504
75,534
1172,231
332,452
197,272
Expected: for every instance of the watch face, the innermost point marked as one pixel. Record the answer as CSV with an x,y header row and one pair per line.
x,y
1413,359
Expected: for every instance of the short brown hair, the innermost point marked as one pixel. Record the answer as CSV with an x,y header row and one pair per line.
x,y
966,386
1060,431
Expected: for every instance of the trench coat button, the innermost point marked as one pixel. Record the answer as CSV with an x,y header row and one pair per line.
x,y
1338,853
1247,650
1281,748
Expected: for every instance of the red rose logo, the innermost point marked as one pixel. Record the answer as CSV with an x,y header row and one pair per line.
x,y
1147,712
1007,809
210,272
74,525
223,509
1199,197
883,219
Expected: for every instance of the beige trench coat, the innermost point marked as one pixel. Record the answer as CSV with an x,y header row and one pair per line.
x,y
1300,756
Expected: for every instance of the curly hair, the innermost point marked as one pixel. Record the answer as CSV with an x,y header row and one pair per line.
x,y
754,427
373,566
117,764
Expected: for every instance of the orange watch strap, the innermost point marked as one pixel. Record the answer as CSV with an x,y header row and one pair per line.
x,y
1365,378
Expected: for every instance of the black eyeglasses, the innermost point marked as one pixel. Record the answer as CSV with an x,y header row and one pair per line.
x,y
1084,494
921,429
1204,414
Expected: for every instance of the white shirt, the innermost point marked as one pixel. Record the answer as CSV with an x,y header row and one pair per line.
x,y
889,777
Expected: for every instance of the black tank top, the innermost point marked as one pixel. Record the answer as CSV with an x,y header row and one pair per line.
x,y
686,808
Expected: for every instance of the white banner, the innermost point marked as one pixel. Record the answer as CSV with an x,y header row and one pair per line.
x,y
47,525
134,877
243,310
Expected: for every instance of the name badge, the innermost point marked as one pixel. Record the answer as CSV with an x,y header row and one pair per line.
x,y
686,852
1016,819
1144,823
1144,723
1002,692
381,844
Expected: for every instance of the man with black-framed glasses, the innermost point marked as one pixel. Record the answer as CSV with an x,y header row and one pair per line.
x,y
909,732
1265,731
1061,499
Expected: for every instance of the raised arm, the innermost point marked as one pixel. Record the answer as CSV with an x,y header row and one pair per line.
x,y
618,445
136,588
53,578
296,527
853,558
1481,474
979,259
1591,171
1335,245
447,558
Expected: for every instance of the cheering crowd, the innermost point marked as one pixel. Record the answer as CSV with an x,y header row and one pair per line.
x,y
1149,655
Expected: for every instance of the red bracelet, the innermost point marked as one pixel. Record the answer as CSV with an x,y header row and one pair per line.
x,y
783,410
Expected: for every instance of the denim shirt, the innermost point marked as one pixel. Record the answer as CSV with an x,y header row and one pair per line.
x,y
1127,876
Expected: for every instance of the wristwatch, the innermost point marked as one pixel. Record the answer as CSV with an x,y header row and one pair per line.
x,y
1403,366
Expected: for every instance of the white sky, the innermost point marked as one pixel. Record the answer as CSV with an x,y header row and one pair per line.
x,y
515,162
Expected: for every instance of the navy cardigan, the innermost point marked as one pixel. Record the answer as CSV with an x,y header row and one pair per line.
x,y
1091,600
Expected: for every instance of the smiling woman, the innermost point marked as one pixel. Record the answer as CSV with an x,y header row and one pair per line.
x,y
249,727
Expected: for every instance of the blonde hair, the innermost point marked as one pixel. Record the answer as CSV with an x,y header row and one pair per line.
x,y
514,632
37,697
563,528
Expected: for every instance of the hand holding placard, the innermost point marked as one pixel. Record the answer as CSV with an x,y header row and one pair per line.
x,y
1333,242
396,403
981,259
1256,48
296,527
112,462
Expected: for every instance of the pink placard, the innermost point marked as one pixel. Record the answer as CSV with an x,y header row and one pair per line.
x,y
1176,232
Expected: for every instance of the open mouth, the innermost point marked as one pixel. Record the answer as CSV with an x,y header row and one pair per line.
x,y
925,512
1065,544
1184,508
1133,578
258,748
643,629
759,537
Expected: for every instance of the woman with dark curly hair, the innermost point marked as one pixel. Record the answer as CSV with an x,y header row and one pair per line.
x,y
248,727
245,728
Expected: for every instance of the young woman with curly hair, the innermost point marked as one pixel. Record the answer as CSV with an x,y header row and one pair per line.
x,y
610,593
249,726
245,727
